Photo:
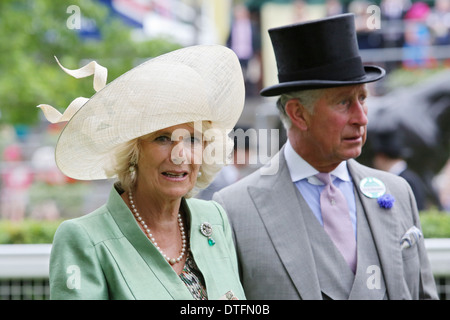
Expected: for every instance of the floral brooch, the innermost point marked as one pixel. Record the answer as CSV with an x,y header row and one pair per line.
x,y
386,201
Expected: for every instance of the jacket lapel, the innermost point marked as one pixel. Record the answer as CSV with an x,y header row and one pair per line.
x,y
160,271
383,224
368,284
279,208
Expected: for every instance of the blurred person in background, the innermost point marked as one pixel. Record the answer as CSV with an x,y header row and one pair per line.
x,y
367,38
150,128
390,156
333,7
244,41
439,22
392,12
417,35
233,172
17,178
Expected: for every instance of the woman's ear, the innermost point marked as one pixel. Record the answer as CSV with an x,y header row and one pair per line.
x,y
298,114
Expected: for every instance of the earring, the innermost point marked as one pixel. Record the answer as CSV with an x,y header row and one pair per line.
x,y
132,169
199,174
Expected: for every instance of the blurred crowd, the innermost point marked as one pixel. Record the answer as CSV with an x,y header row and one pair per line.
x,y
24,171
403,22
411,26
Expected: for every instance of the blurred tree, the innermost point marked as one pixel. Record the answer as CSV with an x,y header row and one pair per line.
x,y
32,32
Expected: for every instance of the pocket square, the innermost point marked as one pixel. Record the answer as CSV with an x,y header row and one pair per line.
x,y
411,237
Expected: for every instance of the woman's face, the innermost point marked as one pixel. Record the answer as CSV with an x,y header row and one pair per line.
x,y
169,161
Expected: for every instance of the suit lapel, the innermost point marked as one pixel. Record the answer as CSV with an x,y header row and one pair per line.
x,y
278,206
383,224
368,285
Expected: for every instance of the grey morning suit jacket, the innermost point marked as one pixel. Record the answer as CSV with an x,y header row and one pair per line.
x,y
284,253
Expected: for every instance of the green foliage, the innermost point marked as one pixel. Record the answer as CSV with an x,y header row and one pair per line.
x,y
27,231
33,32
400,78
435,224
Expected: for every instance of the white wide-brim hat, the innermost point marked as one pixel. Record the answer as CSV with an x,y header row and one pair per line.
x,y
191,84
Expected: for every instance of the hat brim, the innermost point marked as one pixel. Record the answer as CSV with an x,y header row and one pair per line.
x,y
372,73
198,83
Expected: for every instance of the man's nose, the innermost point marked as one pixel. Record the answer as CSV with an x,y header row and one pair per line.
x,y
359,114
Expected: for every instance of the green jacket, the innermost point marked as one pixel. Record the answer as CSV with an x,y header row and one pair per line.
x,y
105,255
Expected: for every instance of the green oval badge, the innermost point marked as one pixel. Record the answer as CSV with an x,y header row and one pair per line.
x,y
372,187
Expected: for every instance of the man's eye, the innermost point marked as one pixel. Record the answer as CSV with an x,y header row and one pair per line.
x,y
362,98
343,104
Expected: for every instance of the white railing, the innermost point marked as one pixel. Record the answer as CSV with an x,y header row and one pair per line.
x,y
439,255
32,260
21,263
24,261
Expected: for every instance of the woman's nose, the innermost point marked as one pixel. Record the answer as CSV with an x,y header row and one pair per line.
x,y
178,154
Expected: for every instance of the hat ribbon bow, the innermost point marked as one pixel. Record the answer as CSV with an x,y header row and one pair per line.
x,y
92,68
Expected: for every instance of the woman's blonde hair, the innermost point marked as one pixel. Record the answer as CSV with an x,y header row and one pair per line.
x,y
126,156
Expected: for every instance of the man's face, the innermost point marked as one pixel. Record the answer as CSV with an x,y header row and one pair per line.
x,y
337,129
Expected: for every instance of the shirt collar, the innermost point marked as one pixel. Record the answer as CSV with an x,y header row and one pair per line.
x,y
300,169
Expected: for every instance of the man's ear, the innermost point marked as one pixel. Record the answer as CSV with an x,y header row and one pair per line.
x,y
298,114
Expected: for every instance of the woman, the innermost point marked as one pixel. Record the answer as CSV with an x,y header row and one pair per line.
x,y
155,128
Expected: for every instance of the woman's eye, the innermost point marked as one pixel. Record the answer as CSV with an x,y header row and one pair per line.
x,y
163,139
193,140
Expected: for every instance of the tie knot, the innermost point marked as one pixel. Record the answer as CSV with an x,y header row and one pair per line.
x,y
324,177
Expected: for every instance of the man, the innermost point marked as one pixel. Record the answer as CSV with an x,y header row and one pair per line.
x,y
288,241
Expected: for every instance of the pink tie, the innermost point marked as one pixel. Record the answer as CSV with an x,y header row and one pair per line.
x,y
336,219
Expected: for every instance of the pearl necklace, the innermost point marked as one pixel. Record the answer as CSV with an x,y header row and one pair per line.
x,y
139,219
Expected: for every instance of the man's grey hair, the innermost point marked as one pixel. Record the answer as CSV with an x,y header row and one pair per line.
x,y
307,98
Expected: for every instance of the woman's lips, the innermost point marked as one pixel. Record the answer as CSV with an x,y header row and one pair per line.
x,y
175,175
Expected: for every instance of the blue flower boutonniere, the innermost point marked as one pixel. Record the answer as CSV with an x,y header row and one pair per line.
x,y
386,201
